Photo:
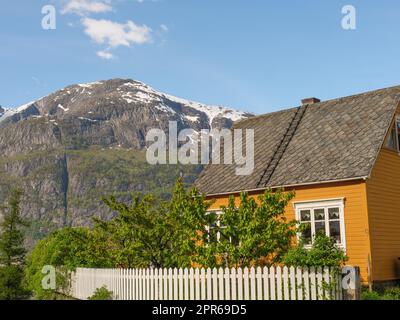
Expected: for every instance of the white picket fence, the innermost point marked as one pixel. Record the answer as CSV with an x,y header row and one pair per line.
x,y
274,283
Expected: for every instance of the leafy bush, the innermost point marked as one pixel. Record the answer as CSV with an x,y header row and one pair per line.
x,y
323,252
370,295
101,294
392,293
64,249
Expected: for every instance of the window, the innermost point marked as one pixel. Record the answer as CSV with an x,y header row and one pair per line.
x,y
393,140
213,233
324,217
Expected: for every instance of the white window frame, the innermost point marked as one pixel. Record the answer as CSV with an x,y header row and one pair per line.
x,y
396,136
325,204
218,212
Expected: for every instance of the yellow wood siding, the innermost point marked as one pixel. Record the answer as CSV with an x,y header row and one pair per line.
x,y
355,215
383,195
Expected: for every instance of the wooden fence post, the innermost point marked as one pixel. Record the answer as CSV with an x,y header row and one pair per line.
x,y
351,283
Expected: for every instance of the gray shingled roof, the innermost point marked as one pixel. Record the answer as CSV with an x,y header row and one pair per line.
x,y
335,140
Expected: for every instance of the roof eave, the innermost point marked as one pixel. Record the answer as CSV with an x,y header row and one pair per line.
x,y
287,186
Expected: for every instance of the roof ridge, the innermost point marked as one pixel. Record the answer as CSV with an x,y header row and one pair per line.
x,y
317,104
241,121
352,96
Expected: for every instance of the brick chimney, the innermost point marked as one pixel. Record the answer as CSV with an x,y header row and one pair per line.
x,y
310,101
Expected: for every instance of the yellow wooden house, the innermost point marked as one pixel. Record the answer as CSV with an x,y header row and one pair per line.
x,y
342,158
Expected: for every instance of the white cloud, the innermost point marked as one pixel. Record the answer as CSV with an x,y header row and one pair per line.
x,y
164,28
116,34
82,7
105,55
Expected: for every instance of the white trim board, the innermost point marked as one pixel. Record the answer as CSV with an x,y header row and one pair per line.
x,y
326,203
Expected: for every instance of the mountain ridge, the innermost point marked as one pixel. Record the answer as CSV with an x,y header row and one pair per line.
x,y
144,94
85,141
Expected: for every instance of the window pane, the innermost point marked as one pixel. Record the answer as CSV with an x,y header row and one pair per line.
x,y
334,230
319,214
391,140
305,215
213,235
320,228
333,213
306,234
213,224
221,225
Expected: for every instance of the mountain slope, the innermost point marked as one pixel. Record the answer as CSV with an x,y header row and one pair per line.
x,y
74,146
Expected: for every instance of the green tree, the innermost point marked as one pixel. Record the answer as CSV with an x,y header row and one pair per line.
x,y
176,233
154,232
188,221
254,232
139,236
12,251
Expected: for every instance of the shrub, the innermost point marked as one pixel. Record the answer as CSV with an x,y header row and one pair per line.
x,y
387,294
392,294
101,294
370,295
64,249
323,253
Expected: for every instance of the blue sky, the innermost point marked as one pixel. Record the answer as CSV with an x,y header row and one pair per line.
x,y
254,55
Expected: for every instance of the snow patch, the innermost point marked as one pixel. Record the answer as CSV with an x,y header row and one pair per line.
x,y
10,112
62,108
211,111
164,108
146,97
24,107
89,85
147,94
87,119
192,118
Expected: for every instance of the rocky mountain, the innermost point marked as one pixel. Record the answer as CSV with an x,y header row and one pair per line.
x,y
74,146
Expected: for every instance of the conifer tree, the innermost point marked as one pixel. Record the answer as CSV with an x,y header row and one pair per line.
x,y
12,251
